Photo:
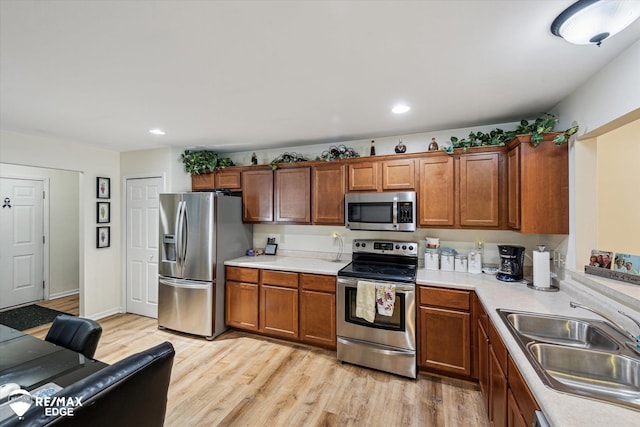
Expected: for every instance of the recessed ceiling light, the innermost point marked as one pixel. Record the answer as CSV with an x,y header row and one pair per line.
x,y
400,109
157,131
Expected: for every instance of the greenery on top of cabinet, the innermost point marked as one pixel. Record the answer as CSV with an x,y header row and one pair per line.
x,y
203,161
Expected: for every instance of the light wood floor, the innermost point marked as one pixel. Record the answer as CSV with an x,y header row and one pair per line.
x,y
241,379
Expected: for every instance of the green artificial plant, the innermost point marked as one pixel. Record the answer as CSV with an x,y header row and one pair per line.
x,y
203,161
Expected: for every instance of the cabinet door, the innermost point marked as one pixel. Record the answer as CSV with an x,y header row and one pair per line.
x,y
318,318
293,195
445,340
242,305
478,195
399,175
202,182
498,396
513,200
229,179
257,196
365,176
514,416
483,364
436,207
526,403
328,187
279,311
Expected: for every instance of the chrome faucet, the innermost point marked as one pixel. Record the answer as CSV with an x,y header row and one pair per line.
x,y
635,339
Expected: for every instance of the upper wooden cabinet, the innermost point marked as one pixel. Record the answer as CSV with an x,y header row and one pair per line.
x,y
435,195
538,186
382,175
328,187
293,195
203,182
399,174
461,190
478,195
365,176
257,195
229,179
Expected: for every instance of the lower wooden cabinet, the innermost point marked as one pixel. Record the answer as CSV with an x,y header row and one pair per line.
x,y
295,306
444,330
498,386
318,310
514,416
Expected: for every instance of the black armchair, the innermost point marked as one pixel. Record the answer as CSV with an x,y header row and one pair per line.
x,y
75,333
129,393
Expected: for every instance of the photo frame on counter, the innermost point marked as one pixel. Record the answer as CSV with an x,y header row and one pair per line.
x,y
103,188
103,237
103,212
270,249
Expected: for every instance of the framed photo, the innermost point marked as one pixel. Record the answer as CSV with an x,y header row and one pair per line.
x,y
271,249
103,188
103,237
103,212
600,259
627,263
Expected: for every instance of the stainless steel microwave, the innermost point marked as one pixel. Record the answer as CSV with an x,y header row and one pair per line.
x,y
380,211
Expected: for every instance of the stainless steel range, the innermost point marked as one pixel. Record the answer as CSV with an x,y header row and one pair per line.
x,y
388,342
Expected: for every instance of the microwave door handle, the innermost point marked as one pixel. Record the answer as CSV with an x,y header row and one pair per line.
x,y
395,213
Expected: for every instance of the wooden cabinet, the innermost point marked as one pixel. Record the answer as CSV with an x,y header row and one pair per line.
x,y
478,193
328,187
229,179
507,398
436,205
399,175
365,176
279,303
242,298
538,186
461,190
444,342
257,195
293,195
318,310
203,182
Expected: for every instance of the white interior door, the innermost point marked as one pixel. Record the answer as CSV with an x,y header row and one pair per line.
x,y
21,241
142,245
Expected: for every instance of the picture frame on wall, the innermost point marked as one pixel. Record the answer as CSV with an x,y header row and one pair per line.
x,y
103,212
103,237
103,188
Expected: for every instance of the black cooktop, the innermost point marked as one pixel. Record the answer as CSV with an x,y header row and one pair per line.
x,y
380,271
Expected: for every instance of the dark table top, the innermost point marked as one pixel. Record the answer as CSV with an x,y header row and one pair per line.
x,y
32,362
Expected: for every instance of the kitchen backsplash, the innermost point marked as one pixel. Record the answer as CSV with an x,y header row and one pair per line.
x,y
317,240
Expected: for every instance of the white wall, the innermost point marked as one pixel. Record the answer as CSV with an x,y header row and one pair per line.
x,y
100,291
64,233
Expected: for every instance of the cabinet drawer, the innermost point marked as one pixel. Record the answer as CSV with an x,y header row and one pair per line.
x,y
280,278
317,282
241,274
448,298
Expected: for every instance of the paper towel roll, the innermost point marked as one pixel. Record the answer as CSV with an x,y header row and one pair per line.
x,y
541,269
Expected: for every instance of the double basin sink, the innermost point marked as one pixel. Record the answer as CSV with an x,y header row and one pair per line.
x,y
578,356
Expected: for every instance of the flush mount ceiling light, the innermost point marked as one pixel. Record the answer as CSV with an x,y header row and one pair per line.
x,y
157,132
400,109
592,21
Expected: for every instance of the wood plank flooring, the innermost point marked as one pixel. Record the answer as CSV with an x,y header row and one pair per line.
x,y
240,379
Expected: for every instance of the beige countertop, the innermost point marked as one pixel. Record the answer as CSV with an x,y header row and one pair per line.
x,y
560,409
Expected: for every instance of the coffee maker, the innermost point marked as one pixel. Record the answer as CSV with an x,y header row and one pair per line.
x,y
511,263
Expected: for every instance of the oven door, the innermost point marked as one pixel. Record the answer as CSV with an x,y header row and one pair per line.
x,y
397,330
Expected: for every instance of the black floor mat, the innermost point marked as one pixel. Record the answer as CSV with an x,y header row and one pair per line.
x,y
28,317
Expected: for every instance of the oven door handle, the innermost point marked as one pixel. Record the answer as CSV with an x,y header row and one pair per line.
x,y
353,283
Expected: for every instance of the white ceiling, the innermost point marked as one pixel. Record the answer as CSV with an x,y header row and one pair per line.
x,y
246,75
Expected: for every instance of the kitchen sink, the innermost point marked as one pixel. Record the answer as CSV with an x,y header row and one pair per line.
x,y
578,356
561,330
609,375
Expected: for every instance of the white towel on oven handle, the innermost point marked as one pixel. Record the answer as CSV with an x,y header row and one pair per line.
x,y
385,298
366,301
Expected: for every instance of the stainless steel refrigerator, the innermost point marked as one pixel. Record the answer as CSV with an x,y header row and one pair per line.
x,y
198,232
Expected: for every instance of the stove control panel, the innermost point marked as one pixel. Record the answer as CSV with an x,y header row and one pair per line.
x,y
390,247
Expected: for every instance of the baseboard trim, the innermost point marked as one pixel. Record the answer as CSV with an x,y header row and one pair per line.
x,y
64,294
106,313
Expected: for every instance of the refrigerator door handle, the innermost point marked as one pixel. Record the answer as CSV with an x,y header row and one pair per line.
x,y
184,233
179,231
186,284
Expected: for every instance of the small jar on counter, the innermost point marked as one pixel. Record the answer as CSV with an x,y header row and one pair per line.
x,y
461,263
432,259
447,261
